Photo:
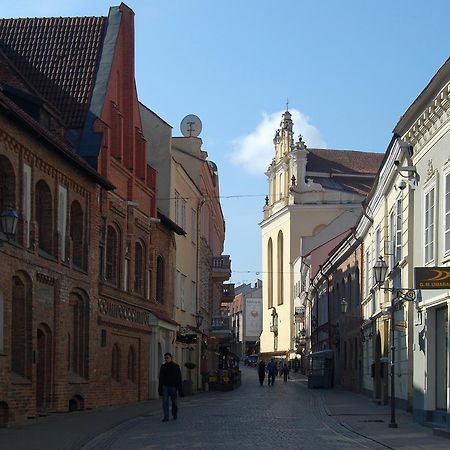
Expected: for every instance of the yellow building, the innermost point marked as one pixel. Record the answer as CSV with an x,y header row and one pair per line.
x,y
308,189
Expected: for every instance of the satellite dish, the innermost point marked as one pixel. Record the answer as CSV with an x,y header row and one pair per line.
x,y
191,126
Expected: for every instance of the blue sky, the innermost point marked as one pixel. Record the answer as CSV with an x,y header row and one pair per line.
x,y
349,68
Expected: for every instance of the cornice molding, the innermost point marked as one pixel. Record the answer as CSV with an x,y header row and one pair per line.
x,y
431,120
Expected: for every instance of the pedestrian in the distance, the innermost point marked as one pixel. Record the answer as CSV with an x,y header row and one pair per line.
x,y
169,385
261,371
285,372
271,372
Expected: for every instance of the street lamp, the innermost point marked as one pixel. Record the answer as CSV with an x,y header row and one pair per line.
x,y
344,306
8,222
199,319
380,271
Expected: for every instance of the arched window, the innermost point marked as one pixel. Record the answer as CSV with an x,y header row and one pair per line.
x,y
76,234
44,216
112,255
115,363
21,327
7,184
78,335
280,268
139,268
132,364
270,272
160,279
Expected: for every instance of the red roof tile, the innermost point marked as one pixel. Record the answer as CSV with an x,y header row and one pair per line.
x,y
59,56
343,161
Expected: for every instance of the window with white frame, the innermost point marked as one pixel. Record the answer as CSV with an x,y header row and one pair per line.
x,y
429,225
447,213
367,274
377,244
392,238
398,231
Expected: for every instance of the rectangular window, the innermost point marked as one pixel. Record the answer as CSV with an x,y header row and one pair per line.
x,y
378,244
27,203
392,238
125,275
447,214
62,220
194,225
398,232
367,274
177,288
182,291
429,226
183,214
193,297
177,207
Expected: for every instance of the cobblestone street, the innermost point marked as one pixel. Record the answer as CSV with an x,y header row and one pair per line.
x,y
287,415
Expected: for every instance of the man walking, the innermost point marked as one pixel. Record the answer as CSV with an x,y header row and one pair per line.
x,y
271,372
169,385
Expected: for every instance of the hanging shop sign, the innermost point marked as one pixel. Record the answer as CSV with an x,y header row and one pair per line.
x,y
186,337
432,277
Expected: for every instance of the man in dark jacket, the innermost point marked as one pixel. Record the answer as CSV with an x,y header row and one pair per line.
x,y
271,371
169,385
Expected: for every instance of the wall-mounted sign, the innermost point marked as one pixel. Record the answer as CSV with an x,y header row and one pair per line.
x,y
432,277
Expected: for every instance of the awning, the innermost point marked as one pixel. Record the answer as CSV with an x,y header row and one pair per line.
x,y
270,354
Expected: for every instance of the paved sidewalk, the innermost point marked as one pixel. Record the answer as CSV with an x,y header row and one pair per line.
x,y
70,431
359,414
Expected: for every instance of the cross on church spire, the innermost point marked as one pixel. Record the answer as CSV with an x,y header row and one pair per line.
x,y
287,104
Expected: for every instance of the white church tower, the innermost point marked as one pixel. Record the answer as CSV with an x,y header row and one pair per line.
x,y
308,189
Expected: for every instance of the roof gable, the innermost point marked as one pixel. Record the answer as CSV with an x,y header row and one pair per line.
x,y
59,56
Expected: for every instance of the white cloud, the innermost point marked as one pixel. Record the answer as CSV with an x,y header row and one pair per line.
x,y
254,152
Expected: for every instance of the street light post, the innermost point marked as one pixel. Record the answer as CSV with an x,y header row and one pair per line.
x,y
8,223
380,271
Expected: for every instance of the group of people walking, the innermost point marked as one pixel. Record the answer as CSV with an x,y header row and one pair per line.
x,y
273,369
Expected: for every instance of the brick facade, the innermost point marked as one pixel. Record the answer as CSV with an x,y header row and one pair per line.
x,y
88,273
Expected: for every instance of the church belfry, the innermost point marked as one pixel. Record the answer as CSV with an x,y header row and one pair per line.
x,y
284,137
288,168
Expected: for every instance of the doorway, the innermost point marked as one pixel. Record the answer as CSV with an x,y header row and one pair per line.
x,y
43,367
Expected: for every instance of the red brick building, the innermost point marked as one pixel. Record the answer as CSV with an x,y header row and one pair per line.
x,y
92,267
46,351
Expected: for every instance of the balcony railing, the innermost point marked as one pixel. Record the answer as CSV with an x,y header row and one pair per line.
x,y
220,323
228,293
221,267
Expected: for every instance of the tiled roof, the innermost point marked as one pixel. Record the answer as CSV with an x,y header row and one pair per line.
x,y
359,185
59,56
343,161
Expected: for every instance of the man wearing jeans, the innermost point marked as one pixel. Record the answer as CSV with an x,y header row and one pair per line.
x,y
169,385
